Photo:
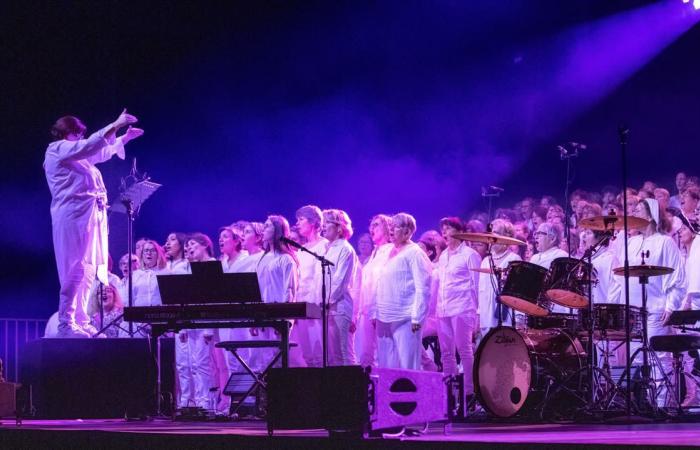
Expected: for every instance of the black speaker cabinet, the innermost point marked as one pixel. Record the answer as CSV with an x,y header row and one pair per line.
x,y
94,378
353,398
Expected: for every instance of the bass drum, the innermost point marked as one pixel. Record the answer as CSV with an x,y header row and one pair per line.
x,y
514,370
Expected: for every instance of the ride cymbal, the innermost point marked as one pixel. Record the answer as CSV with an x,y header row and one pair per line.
x,y
488,238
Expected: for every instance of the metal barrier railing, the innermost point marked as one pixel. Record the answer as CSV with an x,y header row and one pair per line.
x,y
14,334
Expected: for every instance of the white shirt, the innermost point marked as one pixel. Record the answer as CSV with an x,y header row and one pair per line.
x,y
458,285
544,259
606,289
277,276
145,285
310,273
693,269
229,265
487,294
246,263
403,286
665,292
179,266
370,273
342,289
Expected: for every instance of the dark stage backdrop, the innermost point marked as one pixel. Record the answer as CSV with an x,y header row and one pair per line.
x,y
252,108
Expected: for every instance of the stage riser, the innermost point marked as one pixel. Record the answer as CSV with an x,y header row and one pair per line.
x,y
94,378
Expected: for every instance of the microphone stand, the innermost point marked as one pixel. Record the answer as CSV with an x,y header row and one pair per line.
x,y
490,193
324,300
567,155
623,132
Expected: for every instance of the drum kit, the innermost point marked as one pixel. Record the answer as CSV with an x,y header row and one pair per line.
x,y
554,365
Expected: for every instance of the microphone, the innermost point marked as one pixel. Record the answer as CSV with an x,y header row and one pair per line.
x,y
496,189
291,242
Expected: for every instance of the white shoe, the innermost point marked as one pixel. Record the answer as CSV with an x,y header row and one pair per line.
x,y
71,331
90,330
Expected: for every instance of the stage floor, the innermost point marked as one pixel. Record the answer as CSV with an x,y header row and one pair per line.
x,y
169,434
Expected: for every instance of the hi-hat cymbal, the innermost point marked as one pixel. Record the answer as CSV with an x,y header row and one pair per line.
x,y
614,223
488,238
643,271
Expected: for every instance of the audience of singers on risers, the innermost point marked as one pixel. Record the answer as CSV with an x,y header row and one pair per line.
x,y
395,289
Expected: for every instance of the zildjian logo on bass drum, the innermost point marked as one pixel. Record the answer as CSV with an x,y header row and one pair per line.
x,y
504,339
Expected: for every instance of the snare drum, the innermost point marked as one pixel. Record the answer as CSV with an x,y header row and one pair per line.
x,y
609,321
523,288
567,282
568,322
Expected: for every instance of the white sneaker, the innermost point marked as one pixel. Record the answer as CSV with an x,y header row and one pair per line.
x,y
71,331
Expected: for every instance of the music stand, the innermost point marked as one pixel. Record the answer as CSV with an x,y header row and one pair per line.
x,y
131,199
209,284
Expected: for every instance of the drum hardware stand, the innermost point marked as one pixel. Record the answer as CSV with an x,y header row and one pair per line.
x,y
495,278
648,383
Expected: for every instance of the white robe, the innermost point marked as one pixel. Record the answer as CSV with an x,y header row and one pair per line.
x,y
665,292
79,218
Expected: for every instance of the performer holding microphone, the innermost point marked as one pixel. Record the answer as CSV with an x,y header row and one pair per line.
x,y
78,212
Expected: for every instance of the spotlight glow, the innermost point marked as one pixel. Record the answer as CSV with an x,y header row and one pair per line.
x,y
696,4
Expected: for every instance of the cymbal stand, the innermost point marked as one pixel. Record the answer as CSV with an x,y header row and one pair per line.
x,y
495,278
648,382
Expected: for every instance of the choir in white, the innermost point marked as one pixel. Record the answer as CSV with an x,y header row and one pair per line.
x,y
381,306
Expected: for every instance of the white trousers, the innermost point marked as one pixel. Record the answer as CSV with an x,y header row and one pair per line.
x,y
75,294
308,336
366,341
341,349
398,346
457,333
193,361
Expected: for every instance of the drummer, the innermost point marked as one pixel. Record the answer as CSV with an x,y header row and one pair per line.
x,y
547,239
502,255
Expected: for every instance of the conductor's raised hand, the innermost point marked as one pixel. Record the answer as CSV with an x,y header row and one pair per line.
x,y
131,134
125,119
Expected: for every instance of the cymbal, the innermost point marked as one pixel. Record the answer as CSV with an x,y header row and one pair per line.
x,y
488,238
643,271
604,223
487,270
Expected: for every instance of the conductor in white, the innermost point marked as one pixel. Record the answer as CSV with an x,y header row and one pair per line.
x,y
403,292
78,212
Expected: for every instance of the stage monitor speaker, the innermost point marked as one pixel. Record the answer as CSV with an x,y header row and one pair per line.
x,y
354,399
94,378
